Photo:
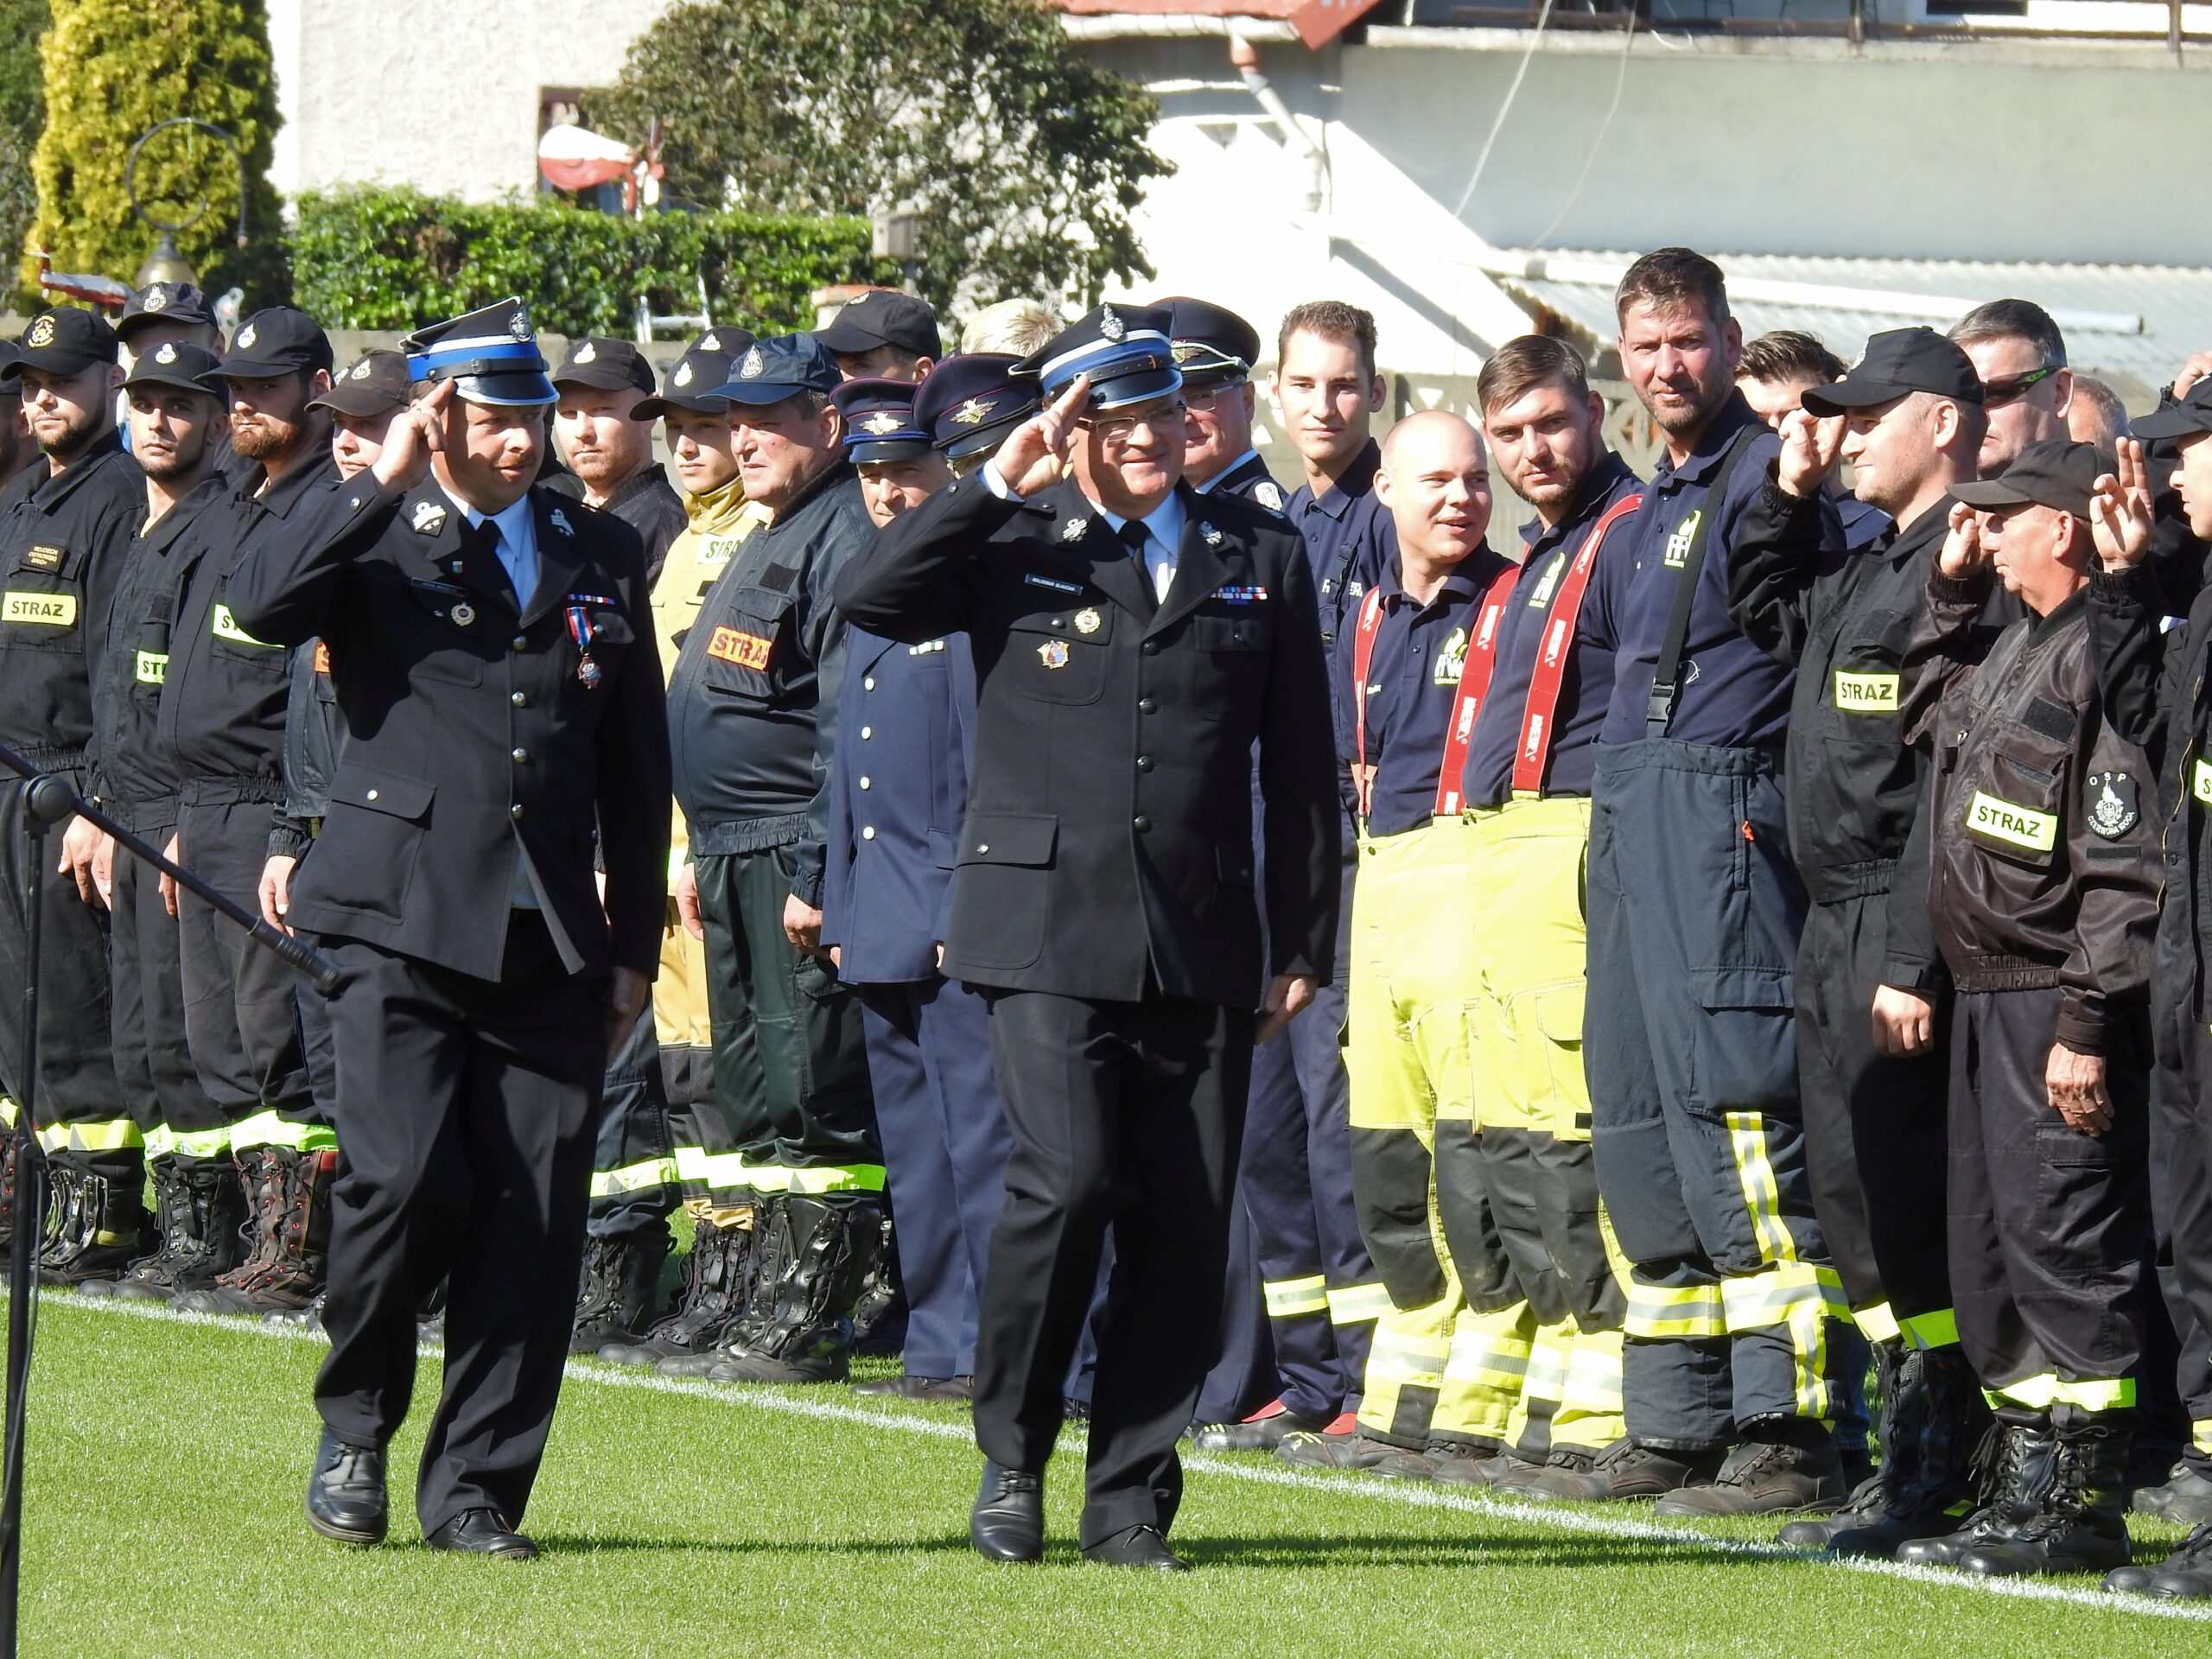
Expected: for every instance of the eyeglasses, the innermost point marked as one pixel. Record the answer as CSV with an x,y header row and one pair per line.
x,y
1995,394
1120,429
1202,398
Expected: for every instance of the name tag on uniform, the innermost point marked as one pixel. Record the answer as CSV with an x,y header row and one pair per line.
x,y
2200,781
2008,821
1036,581
1867,694
746,649
44,610
153,667
225,626
44,558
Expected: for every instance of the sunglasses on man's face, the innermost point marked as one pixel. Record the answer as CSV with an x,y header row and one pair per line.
x,y
1995,394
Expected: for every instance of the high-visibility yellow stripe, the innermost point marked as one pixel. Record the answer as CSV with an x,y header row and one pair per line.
x,y
1357,1304
1292,1299
2092,1394
633,1178
1495,1359
1755,1300
1593,1378
1877,1323
693,1165
117,1135
1548,1360
7,1111
272,1130
163,1142
1761,1192
2200,1435
224,625
1936,1330
854,1178
1660,1311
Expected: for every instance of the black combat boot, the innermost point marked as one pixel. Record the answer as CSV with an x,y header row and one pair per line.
x,y
808,1337
202,1207
1902,1414
292,1221
2016,1462
2080,1524
619,1293
2185,1575
95,1225
1941,1405
719,1276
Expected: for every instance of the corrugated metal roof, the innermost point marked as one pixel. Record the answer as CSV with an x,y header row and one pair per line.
x,y
2132,325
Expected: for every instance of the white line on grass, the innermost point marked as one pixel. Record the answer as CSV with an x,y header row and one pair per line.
x,y
791,1404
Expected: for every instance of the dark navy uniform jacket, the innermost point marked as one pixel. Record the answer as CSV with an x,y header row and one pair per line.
x,y
1107,851
478,744
897,787
1413,679
1248,480
1734,695
1585,692
62,542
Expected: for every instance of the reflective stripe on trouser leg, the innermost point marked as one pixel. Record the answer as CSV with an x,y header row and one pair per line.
x,y
2041,1392
1295,1298
1482,1374
115,1134
1357,1304
1528,1432
1777,1320
1590,1416
1927,1330
1405,1369
633,1178
1877,1323
2200,1436
273,1128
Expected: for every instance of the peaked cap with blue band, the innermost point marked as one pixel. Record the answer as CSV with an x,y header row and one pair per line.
x,y
879,424
971,402
1126,350
491,356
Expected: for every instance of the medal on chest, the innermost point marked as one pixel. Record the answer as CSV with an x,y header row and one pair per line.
x,y
581,631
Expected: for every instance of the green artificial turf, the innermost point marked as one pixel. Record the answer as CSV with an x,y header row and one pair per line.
x,y
164,1518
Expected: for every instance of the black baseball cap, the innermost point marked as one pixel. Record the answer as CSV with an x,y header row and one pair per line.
x,y
188,368
2185,417
373,384
693,384
883,317
67,340
278,340
1899,361
2060,475
164,303
781,367
605,362
1210,343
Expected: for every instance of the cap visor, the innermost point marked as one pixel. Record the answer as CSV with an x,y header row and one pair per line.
x,y
2174,421
652,408
609,378
506,390
262,368
349,400
848,336
877,451
1843,395
49,362
1120,392
975,439
177,381
757,392
1991,493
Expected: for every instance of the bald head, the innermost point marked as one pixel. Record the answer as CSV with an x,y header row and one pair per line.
x,y
1435,481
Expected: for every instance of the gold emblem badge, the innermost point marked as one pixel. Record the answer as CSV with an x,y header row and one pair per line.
x,y
882,422
42,334
462,615
974,412
1053,653
1087,622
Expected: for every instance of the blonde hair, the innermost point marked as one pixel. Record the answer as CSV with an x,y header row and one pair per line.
x,y
1016,327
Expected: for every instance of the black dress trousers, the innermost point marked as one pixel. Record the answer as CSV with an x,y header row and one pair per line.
x,y
471,1108
1125,1115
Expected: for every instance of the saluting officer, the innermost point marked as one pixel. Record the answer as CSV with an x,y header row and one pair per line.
x,y
2043,897
64,525
898,785
223,713
491,648
1870,987
1133,641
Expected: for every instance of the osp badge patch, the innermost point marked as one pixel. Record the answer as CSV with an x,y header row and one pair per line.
x,y
2115,804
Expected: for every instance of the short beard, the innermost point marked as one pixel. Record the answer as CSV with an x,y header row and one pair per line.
x,y
266,436
1695,418
82,431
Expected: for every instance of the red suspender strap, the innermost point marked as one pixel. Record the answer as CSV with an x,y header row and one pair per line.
x,y
1474,680
1534,753
1363,658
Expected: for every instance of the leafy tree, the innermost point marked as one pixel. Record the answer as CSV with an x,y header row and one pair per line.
x,y
112,70
23,112
1025,159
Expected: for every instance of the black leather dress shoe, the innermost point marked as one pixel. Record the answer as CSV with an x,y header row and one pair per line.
x,y
346,1499
483,1532
918,1388
1137,1546
1008,1523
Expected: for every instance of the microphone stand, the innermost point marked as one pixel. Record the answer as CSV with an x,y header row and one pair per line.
x,y
48,800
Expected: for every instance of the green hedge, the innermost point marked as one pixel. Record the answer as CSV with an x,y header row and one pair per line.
x,y
376,258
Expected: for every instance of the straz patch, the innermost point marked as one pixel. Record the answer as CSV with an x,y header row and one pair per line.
x,y
44,558
1240,596
224,625
2013,824
2200,781
41,610
152,667
1867,694
746,649
2114,805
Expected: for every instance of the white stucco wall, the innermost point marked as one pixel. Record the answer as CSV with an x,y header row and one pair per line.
x,y
441,94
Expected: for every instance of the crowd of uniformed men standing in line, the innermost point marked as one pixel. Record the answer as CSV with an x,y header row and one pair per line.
x,y
1733,949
